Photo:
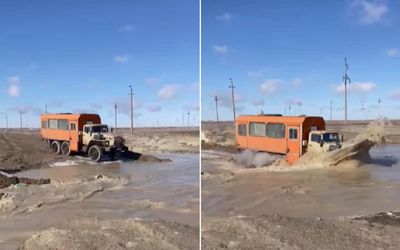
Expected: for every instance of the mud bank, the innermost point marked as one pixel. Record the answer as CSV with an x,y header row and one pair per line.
x,y
19,152
116,234
6,181
24,151
277,232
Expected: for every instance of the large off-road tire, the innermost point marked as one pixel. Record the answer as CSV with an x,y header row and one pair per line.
x,y
95,153
65,148
56,147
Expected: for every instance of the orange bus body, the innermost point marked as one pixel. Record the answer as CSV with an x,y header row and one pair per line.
x,y
282,134
66,127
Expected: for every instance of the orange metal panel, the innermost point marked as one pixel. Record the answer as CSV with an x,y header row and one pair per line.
x,y
292,149
67,135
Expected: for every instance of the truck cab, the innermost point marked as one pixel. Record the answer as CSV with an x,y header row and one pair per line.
x,y
323,141
96,132
97,140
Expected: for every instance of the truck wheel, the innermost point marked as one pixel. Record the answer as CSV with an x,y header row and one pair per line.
x,y
65,149
95,153
56,147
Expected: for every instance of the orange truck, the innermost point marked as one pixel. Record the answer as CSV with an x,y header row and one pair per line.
x,y
291,136
68,133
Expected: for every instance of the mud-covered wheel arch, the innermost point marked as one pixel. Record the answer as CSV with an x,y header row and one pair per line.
x,y
95,153
55,147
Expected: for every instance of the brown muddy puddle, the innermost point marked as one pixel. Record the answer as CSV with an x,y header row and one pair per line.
x,y
152,191
325,193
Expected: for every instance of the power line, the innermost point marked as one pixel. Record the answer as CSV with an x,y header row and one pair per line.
x,y
20,120
131,95
6,116
345,78
216,107
379,108
233,99
115,117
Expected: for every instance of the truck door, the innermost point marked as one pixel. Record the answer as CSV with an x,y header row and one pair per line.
x,y
293,144
73,135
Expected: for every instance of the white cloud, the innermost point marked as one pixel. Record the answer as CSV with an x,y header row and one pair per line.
x,y
121,58
356,87
259,102
297,81
167,92
13,88
154,108
395,94
25,109
224,17
294,102
220,49
369,12
269,86
127,28
393,52
192,107
151,80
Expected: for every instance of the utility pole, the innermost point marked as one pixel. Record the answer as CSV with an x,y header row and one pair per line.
x,y
345,78
5,114
115,117
20,120
233,99
188,114
331,111
379,108
183,120
131,94
45,108
290,108
216,107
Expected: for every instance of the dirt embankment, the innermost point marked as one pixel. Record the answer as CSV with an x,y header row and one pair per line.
x,y
6,181
276,232
162,140
23,151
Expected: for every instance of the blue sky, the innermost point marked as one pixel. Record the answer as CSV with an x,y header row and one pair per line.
x,y
80,56
282,53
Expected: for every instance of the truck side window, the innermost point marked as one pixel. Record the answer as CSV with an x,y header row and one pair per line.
x,y
257,129
315,138
276,130
73,127
293,133
242,129
63,124
87,129
52,123
44,124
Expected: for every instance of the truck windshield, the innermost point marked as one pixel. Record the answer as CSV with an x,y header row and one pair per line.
x,y
331,137
100,129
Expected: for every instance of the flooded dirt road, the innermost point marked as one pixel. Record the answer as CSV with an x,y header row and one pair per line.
x,y
326,193
255,208
83,192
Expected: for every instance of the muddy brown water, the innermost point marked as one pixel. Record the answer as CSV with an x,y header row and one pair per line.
x,y
326,193
154,191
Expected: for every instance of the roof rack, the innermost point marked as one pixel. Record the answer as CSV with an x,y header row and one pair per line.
x,y
270,114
